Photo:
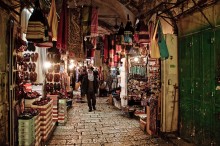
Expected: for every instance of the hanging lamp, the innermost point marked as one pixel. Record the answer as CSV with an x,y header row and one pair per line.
x,y
128,32
144,35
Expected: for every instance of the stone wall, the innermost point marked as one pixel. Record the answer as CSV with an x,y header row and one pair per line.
x,y
197,22
3,79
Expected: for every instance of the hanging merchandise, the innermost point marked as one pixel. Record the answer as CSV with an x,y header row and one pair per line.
x,y
120,34
144,36
128,33
37,30
75,33
52,21
86,20
62,28
94,22
137,31
162,43
155,52
105,52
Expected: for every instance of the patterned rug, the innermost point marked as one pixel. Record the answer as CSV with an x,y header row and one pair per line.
x,y
75,33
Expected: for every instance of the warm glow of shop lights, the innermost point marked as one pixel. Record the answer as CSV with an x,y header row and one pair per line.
x,y
71,61
136,59
47,64
71,66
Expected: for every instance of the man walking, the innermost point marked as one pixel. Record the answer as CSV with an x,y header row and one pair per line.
x,y
90,87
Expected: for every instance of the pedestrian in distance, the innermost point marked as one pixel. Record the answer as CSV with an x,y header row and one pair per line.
x,y
90,88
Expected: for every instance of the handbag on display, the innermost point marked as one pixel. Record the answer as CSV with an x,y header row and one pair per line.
x,y
37,30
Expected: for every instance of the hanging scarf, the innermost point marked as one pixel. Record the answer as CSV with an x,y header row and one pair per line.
x,y
62,28
94,22
52,20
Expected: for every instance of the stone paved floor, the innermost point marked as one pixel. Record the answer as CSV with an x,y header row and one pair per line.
x,y
107,126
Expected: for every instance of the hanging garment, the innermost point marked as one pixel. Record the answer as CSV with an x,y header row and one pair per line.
x,y
74,33
94,22
164,53
105,48
62,28
86,20
97,59
52,21
155,52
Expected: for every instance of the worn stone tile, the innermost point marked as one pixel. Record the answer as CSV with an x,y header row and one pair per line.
x,y
107,126
87,140
73,141
57,142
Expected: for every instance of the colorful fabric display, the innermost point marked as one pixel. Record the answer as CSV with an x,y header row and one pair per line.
x,y
62,28
52,21
94,22
162,43
155,52
86,20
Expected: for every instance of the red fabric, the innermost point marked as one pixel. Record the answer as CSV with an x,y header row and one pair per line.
x,y
106,48
62,28
94,23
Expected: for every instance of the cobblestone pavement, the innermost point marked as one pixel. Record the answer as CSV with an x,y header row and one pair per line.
x,y
107,126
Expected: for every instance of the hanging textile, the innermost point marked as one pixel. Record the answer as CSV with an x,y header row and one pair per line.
x,y
52,21
75,33
136,32
86,20
62,28
94,22
155,52
97,59
25,15
105,48
89,49
162,43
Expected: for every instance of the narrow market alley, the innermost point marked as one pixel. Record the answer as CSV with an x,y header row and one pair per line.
x,y
107,126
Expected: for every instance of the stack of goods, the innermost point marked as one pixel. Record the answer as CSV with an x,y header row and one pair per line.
x,y
30,97
26,127
136,87
38,88
45,106
37,123
62,112
55,106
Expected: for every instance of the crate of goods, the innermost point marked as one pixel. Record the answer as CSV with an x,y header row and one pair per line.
x,y
45,106
26,132
37,123
55,107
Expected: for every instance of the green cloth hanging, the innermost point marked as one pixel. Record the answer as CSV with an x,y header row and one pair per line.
x,y
164,53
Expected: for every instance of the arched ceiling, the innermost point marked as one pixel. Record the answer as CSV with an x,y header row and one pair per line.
x,y
111,11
